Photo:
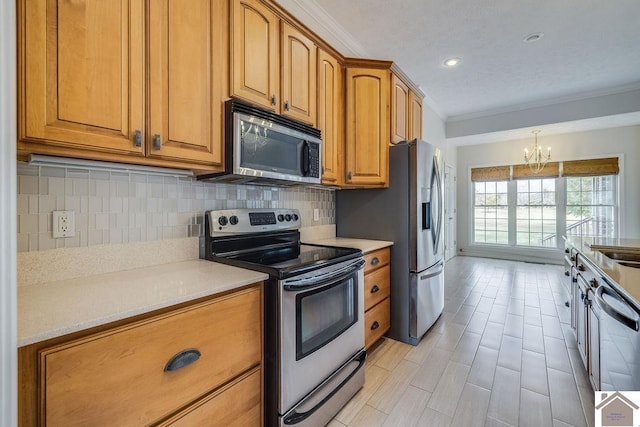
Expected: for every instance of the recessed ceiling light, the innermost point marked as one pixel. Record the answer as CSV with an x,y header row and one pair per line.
x,y
534,37
451,62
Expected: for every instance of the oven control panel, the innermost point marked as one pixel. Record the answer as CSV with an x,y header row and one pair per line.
x,y
239,221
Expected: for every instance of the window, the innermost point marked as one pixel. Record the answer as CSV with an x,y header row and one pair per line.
x,y
513,206
591,209
491,212
536,212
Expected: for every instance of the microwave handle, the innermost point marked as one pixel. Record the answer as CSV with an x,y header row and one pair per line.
x,y
306,158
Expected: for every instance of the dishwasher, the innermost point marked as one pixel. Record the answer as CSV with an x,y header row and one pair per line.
x,y
618,340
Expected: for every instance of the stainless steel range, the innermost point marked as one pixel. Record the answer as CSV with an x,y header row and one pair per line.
x,y
313,311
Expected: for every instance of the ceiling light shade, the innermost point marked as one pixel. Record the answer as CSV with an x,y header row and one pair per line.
x,y
452,62
534,37
534,158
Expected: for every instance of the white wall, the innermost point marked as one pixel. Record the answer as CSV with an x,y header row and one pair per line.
x,y
433,131
8,364
623,141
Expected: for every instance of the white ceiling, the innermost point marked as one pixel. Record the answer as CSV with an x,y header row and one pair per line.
x,y
589,48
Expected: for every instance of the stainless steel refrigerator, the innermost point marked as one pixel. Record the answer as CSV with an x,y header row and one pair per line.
x,y
410,213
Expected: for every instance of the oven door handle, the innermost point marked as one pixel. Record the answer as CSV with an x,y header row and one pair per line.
x,y
313,282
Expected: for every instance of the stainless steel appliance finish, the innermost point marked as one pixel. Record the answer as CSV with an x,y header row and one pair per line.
x,y
265,148
313,311
326,305
410,213
618,340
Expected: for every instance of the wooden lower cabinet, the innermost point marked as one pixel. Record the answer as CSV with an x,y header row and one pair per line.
x,y
143,372
377,288
237,404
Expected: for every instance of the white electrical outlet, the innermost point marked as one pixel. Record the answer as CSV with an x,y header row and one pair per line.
x,y
64,224
316,214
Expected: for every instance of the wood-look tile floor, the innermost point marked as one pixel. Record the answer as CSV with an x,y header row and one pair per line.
x,y
502,354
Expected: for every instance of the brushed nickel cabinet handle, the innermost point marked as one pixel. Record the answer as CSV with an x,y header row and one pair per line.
x,y
182,359
273,99
286,105
375,325
375,289
137,139
156,141
375,260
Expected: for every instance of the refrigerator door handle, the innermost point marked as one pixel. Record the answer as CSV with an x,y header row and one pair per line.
x,y
440,205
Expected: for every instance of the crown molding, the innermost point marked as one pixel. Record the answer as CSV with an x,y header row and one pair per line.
x,y
313,15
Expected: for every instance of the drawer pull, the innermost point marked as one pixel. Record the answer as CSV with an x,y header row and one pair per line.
x,y
375,289
566,251
375,260
375,325
182,359
566,273
581,267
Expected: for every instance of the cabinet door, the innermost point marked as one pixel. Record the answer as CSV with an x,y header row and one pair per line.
x,y
330,115
299,86
186,78
399,110
415,116
255,59
367,143
82,75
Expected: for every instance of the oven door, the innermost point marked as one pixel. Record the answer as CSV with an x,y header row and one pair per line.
x,y
321,327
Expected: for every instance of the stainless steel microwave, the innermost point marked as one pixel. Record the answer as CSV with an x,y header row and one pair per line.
x,y
262,147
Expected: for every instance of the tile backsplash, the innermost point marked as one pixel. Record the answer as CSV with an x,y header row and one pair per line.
x,y
114,207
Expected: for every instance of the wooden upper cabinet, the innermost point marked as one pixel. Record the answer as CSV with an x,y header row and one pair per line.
x,y
87,90
399,110
81,74
330,117
186,79
415,116
367,121
255,58
298,75
273,64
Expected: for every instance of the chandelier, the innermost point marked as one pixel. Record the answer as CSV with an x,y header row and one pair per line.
x,y
534,158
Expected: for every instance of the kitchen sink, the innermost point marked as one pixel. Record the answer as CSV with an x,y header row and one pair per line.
x,y
622,256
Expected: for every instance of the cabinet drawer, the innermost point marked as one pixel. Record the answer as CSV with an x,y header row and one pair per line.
x,y
376,322
118,377
376,286
376,259
236,404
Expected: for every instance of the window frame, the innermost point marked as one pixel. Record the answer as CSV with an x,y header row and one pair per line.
x,y
561,209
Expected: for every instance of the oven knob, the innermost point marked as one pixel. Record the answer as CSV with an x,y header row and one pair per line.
x,y
295,217
222,220
287,217
233,220
280,218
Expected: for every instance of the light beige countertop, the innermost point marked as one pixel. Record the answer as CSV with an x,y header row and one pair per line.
x,y
364,245
626,279
53,309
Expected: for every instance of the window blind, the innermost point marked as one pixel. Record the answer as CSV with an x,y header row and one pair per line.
x,y
496,173
593,167
550,170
